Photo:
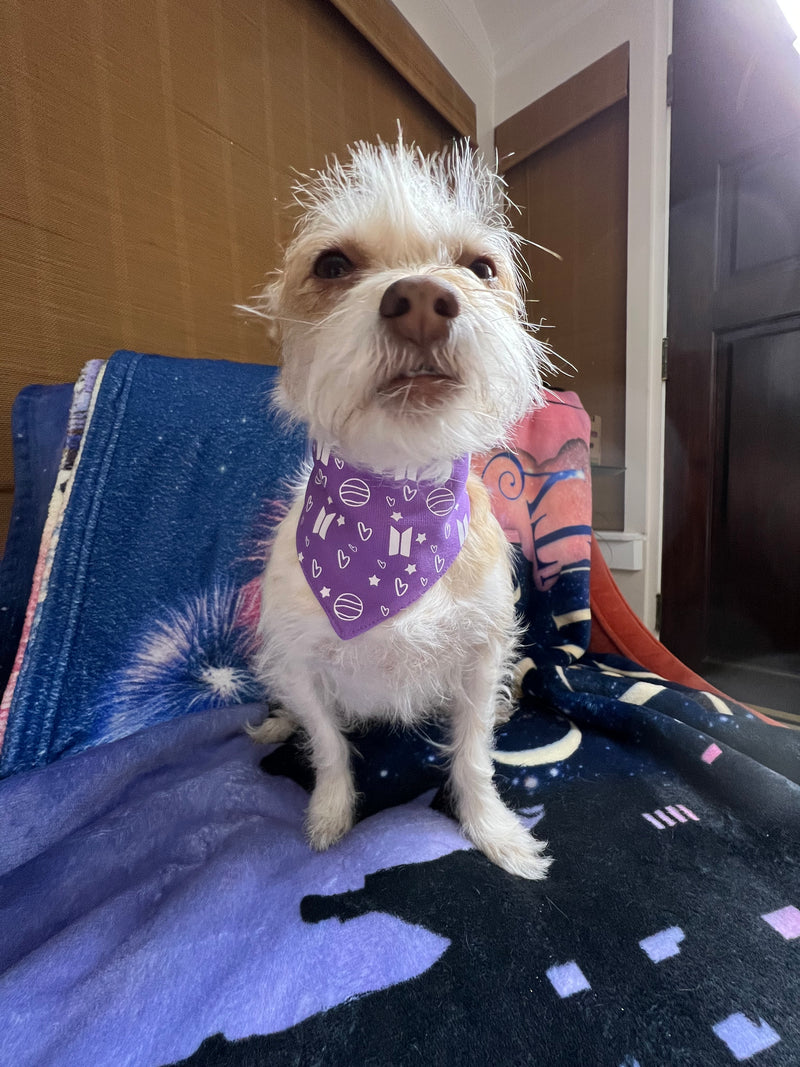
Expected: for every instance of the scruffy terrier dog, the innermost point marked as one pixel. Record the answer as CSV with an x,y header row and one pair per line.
x,y
388,592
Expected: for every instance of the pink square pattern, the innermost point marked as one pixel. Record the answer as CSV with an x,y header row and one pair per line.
x,y
711,753
785,920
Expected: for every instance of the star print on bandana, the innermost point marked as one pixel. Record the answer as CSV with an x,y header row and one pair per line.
x,y
369,545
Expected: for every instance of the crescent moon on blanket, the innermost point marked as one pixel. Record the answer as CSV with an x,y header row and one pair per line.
x,y
552,753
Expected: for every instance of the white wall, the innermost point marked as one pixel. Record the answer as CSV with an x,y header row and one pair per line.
x,y
454,31
523,49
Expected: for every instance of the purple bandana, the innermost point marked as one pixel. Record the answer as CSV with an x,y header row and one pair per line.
x,y
370,545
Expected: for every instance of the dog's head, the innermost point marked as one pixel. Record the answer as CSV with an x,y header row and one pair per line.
x,y
400,310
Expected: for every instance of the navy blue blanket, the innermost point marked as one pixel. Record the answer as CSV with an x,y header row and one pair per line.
x,y
158,903
38,428
181,462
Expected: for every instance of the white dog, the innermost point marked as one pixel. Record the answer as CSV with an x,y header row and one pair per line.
x,y
388,592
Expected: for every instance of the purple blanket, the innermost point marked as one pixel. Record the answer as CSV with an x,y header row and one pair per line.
x,y
180,870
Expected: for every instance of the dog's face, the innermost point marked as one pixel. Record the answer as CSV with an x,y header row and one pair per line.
x,y
400,311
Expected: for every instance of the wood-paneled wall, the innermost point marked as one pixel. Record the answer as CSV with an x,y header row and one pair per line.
x,y
148,150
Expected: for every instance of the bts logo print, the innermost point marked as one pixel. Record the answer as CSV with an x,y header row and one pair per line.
x,y
322,522
371,545
400,543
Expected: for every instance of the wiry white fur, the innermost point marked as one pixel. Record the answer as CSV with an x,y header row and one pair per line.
x,y
411,214
398,213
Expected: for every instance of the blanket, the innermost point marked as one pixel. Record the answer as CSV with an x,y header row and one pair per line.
x,y
41,492
158,903
135,627
38,422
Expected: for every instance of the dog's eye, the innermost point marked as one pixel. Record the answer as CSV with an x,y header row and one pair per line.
x,y
483,268
333,265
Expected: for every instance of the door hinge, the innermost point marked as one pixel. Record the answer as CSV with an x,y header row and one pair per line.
x,y
670,80
664,358
659,612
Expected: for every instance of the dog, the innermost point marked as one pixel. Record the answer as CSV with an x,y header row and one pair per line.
x,y
388,592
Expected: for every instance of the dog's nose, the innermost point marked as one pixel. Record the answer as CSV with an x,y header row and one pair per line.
x,y
419,308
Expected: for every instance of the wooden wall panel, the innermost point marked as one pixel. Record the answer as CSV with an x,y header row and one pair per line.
x,y
397,41
574,198
147,156
590,91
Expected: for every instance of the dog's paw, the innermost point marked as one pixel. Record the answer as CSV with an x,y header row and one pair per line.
x,y
331,813
523,856
325,828
513,848
272,731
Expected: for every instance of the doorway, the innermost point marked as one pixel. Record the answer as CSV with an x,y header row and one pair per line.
x,y
731,557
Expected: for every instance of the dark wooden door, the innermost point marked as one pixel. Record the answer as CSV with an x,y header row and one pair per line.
x,y
731,573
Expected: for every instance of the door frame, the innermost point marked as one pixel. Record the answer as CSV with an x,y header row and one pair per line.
x,y
645,28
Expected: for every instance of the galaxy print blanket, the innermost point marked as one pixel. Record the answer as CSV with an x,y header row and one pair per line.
x,y
158,903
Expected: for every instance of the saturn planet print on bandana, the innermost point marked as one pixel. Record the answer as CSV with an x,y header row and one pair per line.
x,y
370,545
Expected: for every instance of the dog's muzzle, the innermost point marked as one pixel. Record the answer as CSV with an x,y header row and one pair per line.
x,y
420,309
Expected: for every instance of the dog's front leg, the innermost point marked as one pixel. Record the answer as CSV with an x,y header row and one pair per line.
x,y
331,808
485,819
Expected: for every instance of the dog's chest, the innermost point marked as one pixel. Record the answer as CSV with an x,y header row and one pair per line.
x,y
409,664
402,668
